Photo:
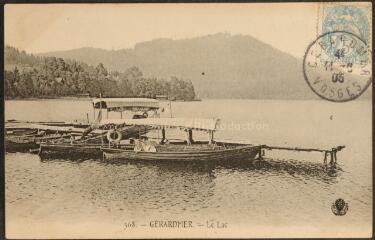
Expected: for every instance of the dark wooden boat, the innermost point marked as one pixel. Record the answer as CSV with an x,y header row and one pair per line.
x,y
11,146
72,151
88,147
187,150
22,140
201,151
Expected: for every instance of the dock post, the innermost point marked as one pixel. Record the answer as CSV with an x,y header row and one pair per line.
x,y
211,137
260,157
333,161
190,135
335,156
325,160
163,134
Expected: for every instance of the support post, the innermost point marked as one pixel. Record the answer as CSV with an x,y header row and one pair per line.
x,y
260,157
100,104
187,137
190,135
163,135
170,108
325,160
211,137
333,157
334,150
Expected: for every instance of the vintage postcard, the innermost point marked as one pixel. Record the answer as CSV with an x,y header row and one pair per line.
x,y
209,120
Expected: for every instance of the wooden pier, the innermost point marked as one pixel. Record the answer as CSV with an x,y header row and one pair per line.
x,y
328,153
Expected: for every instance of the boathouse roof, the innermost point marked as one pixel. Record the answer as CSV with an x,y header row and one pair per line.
x,y
203,124
121,104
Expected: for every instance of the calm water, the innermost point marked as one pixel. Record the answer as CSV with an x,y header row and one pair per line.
x,y
291,195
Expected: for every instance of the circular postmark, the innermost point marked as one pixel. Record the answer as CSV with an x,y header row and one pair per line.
x,y
337,67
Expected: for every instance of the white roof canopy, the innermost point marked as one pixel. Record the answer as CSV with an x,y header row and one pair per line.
x,y
121,104
211,124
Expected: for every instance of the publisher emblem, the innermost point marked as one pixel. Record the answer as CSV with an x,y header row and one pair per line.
x,y
339,207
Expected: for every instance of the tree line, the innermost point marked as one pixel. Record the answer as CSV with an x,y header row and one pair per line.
x,y
29,76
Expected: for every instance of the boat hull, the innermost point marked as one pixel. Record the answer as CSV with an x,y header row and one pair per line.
x,y
236,153
11,146
23,143
70,151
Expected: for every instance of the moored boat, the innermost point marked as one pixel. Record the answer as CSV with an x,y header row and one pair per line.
x,y
23,136
180,150
65,150
196,152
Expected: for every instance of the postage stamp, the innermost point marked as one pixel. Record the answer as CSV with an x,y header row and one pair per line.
x,y
345,17
337,65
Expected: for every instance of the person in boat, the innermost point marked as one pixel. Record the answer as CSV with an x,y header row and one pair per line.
x,y
140,116
164,141
144,145
189,136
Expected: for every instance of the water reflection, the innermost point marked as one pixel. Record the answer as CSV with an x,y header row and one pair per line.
x,y
291,167
162,187
123,190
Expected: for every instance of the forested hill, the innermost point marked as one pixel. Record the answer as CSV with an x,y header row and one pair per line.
x,y
29,76
219,65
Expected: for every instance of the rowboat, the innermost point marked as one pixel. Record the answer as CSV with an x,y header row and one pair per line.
x,y
201,151
180,150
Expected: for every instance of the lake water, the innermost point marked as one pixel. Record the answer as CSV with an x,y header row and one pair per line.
x,y
290,196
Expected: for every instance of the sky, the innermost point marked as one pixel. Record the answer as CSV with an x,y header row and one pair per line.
x,y
38,28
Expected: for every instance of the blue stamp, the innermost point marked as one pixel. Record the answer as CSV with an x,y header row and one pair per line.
x,y
346,18
351,19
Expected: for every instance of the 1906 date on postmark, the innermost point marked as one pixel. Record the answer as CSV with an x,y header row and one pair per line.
x,y
337,66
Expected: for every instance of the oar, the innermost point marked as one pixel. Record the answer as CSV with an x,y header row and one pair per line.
x,y
93,126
